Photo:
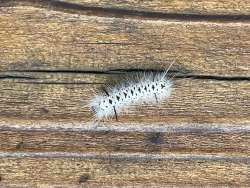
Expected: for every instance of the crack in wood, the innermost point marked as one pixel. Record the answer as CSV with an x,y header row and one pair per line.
x,y
63,83
2,77
177,74
74,8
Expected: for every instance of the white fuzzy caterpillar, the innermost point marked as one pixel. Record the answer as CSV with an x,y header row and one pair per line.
x,y
150,88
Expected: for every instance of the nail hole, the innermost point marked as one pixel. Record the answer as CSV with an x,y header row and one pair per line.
x,y
20,145
156,138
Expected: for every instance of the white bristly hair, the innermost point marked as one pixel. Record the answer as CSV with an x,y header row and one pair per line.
x,y
150,88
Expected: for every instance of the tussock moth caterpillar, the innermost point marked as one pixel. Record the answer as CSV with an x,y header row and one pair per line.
x,y
151,88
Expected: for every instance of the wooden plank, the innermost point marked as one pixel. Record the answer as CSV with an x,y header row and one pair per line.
x,y
212,7
208,7
192,101
54,56
191,7
190,141
122,170
43,39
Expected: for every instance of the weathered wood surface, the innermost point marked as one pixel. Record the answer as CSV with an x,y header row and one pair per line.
x,y
54,55
184,141
212,7
146,8
124,170
41,39
45,96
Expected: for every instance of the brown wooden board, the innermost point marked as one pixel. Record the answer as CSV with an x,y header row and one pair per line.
x,y
192,101
208,8
179,140
43,39
122,170
54,57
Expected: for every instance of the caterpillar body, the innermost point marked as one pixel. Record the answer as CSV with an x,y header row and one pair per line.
x,y
150,88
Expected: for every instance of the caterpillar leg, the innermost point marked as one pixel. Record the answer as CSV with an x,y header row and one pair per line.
x,y
156,98
115,114
105,91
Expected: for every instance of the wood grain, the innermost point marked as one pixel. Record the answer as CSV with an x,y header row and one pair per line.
x,y
187,141
178,7
55,55
211,7
40,39
193,100
122,170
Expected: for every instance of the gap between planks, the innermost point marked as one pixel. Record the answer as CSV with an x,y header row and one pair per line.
x,y
125,156
18,124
